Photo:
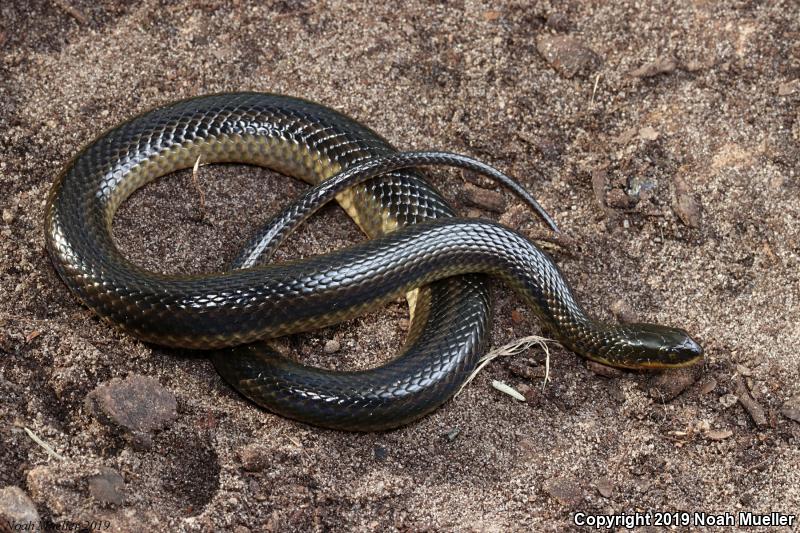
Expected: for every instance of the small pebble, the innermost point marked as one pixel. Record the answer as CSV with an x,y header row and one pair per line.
x,y
617,199
253,458
107,487
667,386
604,487
332,346
708,386
728,400
791,408
517,317
558,21
790,87
648,134
565,491
380,453
567,55
137,403
452,434
483,198
719,434
16,507
8,216
622,311
685,205
662,65
599,183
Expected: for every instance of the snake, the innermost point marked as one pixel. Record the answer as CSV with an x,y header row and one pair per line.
x,y
416,247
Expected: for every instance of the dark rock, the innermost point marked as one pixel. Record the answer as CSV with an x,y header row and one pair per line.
x,y
107,487
568,56
668,385
137,403
728,400
380,453
16,508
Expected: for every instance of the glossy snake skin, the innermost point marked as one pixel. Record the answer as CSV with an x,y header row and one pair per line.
x,y
416,247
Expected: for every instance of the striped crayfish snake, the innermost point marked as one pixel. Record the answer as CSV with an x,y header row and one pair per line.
x,y
416,247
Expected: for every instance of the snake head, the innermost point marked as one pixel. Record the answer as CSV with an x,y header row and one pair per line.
x,y
650,346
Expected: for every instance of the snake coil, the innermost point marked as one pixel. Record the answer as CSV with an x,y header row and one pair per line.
x,y
416,247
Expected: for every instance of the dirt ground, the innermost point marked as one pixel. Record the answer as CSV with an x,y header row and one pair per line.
x,y
662,136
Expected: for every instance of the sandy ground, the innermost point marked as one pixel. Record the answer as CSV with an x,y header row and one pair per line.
x,y
664,140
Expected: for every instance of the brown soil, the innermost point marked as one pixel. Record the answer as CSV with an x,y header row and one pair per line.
x,y
664,140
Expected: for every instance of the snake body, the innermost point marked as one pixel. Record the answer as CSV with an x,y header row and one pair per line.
x,y
416,247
